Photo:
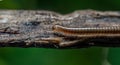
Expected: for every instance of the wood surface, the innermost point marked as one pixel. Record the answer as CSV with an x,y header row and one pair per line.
x,y
36,28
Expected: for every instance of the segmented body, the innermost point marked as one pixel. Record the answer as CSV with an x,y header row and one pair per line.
x,y
112,31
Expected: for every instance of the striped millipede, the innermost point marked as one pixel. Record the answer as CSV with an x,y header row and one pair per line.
x,y
112,31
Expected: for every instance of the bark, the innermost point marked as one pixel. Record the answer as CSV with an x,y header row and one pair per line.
x,y
30,28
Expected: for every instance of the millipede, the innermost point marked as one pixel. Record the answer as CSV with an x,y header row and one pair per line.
x,y
111,31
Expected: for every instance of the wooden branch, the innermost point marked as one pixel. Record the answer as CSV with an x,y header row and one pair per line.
x,y
85,28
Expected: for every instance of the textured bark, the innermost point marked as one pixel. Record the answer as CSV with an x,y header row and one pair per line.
x,y
27,28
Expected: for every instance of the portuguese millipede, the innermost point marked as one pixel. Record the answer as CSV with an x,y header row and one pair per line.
x,y
112,31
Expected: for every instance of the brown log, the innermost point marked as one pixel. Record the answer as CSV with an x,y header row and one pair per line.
x,y
33,28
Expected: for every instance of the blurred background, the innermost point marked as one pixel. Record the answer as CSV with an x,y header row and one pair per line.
x,y
42,56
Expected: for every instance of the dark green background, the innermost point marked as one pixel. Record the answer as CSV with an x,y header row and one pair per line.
x,y
42,56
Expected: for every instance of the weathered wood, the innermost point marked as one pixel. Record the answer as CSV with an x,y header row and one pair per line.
x,y
29,28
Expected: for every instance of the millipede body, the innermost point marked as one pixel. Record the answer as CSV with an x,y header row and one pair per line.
x,y
88,32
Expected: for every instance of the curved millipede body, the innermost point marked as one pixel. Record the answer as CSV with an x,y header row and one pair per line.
x,y
88,32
